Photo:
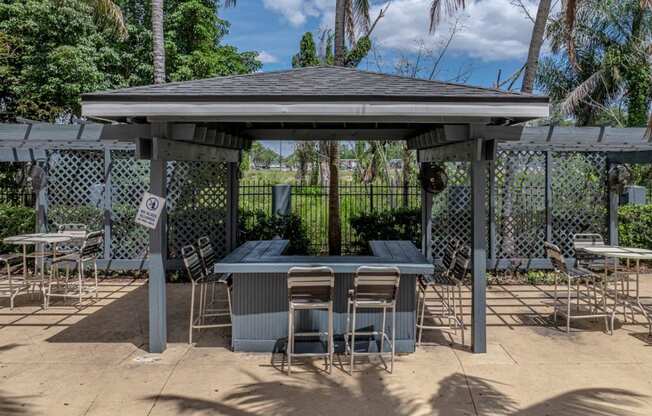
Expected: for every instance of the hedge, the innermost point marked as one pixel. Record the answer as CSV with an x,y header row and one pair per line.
x,y
15,220
635,226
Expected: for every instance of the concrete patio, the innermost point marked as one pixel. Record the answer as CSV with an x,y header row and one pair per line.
x,y
92,361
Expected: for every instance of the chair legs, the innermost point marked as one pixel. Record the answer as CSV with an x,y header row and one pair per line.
x,y
351,316
200,308
452,309
596,309
330,347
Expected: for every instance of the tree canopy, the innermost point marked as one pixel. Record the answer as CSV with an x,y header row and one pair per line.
x,y
51,51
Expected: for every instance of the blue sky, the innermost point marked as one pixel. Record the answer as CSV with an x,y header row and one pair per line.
x,y
491,35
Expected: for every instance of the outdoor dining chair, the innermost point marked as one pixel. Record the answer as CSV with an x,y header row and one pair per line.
x,y
200,308
310,289
446,283
373,288
68,287
576,277
12,279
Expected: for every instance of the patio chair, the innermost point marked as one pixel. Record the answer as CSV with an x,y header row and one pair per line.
x,y
310,288
200,280
209,258
12,280
576,277
373,288
68,287
443,286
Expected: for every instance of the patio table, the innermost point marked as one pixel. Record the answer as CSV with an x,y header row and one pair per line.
x,y
628,254
41,239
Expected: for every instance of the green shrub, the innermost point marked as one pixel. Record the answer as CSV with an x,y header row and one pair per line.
x,y
85,214
258,225
15,220
635,226
399,224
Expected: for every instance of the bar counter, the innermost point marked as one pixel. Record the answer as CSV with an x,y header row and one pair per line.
x,y
260,303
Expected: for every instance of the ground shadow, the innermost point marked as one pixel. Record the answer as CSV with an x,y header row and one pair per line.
x,y
15,405
125,320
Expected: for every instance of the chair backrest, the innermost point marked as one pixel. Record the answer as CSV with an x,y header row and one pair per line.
x,y
207,254
450,251
316,282
72,227
379,282
92,245
193,263
462,264
554,254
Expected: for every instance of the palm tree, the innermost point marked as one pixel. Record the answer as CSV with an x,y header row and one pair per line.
x,y
110,12
450,6
158,42
536,42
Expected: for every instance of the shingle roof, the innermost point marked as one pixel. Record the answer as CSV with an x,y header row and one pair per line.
x,y
313,83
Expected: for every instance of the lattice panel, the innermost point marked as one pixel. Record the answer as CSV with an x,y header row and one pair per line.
x,y
76,188
129,180
451,209
197,205
579,196
520,206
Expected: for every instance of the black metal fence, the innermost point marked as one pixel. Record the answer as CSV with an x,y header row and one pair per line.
x,y
17,197
310,203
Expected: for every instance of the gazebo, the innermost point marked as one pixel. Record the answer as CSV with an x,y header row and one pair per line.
x,y
214,119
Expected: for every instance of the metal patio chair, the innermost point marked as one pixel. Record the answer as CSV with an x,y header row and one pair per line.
x,y
200,280
373,288
443,287
69,287
209,258
310,288
576,276
12,279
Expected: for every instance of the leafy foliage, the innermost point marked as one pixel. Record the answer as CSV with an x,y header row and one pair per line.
x,y
51,51
611,47
259,225
399,224
15,220
635,226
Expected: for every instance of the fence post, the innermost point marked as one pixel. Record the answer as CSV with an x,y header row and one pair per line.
x,y
426,224
371,197
548,195
281,199
493,256
614,200
108,163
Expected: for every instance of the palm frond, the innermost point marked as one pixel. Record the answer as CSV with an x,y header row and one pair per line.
x,y
230,3
581,92
110,12
349,21
450,7
361,13
646,4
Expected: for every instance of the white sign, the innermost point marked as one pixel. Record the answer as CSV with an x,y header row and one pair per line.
x,y
150,210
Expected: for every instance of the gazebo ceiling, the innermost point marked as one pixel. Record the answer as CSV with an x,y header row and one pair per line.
x,y
318,95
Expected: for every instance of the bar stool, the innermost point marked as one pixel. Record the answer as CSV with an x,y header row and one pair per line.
x,y
446,283
373,288
200,281
310,288
209,258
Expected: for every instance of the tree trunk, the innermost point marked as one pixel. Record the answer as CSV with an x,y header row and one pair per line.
x,y
158,42
334,231
340,48
538,33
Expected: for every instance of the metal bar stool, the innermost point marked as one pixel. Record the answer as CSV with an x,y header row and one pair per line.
x,y
447,284
576,276
200,280
373,288
209,258
310,288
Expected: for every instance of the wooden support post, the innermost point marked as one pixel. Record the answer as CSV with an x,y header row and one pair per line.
x,y
492,249
426,224
158,255
479,254
107,204
614,202
548,195
233,195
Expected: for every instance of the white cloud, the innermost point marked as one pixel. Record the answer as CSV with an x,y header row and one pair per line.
x,y
267,58
492,29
